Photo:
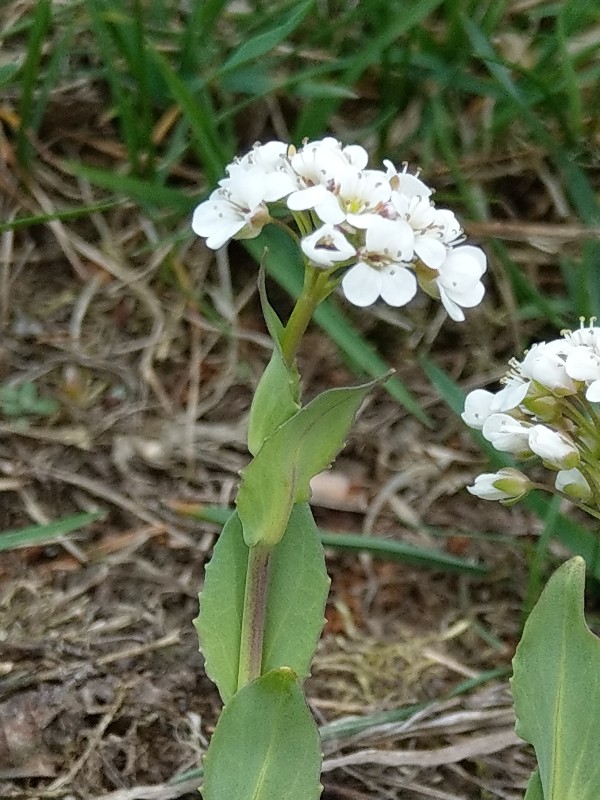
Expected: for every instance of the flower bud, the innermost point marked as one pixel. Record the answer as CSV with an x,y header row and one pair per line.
x,y
545,364
556,449
507,434
481,404
506,485
573,483
546,408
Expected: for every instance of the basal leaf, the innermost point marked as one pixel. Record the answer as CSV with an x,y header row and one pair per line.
x,y
279,474
556,687
266,744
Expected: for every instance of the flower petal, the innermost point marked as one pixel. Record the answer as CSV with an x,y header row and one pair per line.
x,y
362,285
431,251
398,285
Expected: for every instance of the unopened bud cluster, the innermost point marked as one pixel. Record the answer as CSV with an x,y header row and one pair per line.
x,y
378,230
548,407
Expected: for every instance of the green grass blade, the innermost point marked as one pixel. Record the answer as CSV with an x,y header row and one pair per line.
x,y
51,74
67,214
263,43
198,29
201,118
392,550
42,534
380,548
41,24
147,193
315,116
100,13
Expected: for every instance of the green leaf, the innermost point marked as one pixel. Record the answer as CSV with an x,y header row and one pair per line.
x,y
41,534
298,589
298,586
279,475
219,623
389,549
258,46
275,401
146,192
274,324
283,262
23,399
556,688
534,788
265,746
277,396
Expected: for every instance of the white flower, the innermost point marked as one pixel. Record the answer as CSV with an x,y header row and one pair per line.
x,y
554,448
237,209
459,281
545,364
481,404
405,183
588,336
381,271
506,484
507,434
573,483
327,246
448,226
270,157
319,167
353,196
583,364
420,214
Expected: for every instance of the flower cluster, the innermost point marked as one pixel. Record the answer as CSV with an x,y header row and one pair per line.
x,y
378,230
546,408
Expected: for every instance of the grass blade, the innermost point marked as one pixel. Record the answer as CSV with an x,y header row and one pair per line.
x,y
263,43
388,549
146,192
201,118
42,534
39,29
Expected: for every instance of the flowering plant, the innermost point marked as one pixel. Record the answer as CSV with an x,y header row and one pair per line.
x,y
548,408
380,229
377,234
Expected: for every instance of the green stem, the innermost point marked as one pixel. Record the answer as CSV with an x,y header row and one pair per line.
x,y
254,614
315,290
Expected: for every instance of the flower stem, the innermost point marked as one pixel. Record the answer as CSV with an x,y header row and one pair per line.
x,y
254,614
315,290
